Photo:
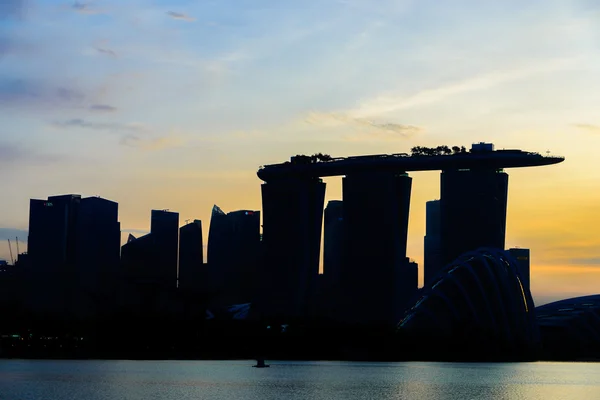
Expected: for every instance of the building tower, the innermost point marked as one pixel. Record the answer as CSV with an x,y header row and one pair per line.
x,y
433,243
333,242
233,254
292,222
473,211
375,213
164,230
191,256
73,254
97,256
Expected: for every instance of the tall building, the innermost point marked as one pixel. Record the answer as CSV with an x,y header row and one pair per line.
x,y
164,227
73,253
523,264
376,208
433,242
333,243
217,252
51,248
292,222
233,251
97,254
191,256
329,289
473,211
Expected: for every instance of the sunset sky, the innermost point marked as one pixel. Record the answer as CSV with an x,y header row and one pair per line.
x,y
175,104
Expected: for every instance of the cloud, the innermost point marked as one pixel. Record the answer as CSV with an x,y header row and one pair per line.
x,y
183,17
588,261
108,52
151,144
363,124
588,127
85,8
12,155
108,126
102,108
386,104
27,92
133,134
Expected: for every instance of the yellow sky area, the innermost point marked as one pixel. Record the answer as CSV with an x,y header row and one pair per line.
x,y
555,282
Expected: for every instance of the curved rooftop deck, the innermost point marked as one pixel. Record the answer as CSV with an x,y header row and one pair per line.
x,y
403,162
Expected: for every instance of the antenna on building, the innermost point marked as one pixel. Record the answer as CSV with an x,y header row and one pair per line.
x,y
18,251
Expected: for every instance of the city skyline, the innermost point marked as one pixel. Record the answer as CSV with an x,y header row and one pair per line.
x,y
242,86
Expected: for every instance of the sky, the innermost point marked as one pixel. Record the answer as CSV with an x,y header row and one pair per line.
x,y
175,104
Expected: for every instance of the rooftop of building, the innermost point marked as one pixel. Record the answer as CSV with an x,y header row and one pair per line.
x,y
481,156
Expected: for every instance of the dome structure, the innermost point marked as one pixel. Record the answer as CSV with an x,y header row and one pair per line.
x,y
570,328
475,308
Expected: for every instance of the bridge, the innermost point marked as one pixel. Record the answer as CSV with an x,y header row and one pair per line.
x,y
366,266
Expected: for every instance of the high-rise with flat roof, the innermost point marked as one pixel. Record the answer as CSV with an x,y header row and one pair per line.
x,y
73,253
52,253
433,242
473,211
292,223
191,256
376,207
164,227
233,254
333,242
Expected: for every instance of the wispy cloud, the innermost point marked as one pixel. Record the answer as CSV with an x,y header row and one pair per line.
x,y
85,8
181,16
108,52
588,261
588,127
107,126
151,144
103,108
26,92
385,104
363,124
12,155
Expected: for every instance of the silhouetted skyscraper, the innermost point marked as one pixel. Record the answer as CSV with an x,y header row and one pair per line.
x,y
233,251
523,262
433,240
333,243
473,211
292,222
329,289
164,227
376,208
73,253
52,253
97,253
191,256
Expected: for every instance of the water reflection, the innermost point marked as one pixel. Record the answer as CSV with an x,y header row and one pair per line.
x,y
104,380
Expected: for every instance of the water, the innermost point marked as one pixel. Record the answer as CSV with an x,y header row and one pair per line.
x,y
182,380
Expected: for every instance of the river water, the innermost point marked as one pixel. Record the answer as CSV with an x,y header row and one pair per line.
x,y
182,380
